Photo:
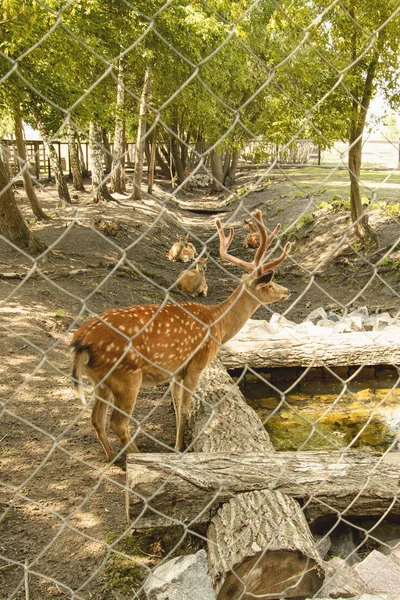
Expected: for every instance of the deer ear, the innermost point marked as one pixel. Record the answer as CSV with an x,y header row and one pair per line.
x,y
264,278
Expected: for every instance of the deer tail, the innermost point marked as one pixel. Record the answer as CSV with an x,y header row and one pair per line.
x,y
80,362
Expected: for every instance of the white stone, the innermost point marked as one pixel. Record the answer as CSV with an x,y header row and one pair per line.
x,y
182,578
359,312
355,322
391,549
316,314
278,322
380,574
326,323
342,327
308,328
341,580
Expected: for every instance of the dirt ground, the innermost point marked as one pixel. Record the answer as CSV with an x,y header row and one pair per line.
x,y
63,506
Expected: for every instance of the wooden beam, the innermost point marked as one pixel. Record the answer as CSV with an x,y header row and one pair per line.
x,y
326,349
189,488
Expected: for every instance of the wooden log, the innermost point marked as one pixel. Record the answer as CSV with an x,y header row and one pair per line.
x,y
357,482
325,349
280,544
259,543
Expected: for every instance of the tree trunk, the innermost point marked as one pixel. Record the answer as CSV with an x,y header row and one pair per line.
x,y
117,179
61,183
162,164
357,125
217,171
26,176
176,155
187,488
259,545
152,162
97,153
360,220
12,224
231,176
227,163
318,350
143,109
106,151
82,162
76,171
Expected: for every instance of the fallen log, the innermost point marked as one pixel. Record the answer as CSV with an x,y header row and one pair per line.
x,y
259,543
354,482
323,349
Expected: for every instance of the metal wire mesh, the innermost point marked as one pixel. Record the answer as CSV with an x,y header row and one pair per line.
x,y
64,526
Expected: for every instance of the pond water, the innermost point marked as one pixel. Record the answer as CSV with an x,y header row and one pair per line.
x,y
320,409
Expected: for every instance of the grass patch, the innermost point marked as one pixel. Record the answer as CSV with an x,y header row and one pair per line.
x,y
391,209
135,555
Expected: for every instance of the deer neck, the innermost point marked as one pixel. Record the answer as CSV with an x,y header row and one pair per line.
x,y
180,250
235,311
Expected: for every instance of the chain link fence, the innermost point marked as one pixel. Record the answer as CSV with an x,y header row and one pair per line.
x,y
290,455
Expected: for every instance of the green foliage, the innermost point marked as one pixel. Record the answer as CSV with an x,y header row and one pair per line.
x,y
391,209
390,263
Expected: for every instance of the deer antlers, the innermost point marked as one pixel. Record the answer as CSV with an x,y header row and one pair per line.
x,y
266,240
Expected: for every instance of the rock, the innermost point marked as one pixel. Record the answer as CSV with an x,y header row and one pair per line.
x,y
333,316
342,327
278,322
343,546
317,314
366,597
326,323
380,574
182,578
323,544
341,581
307,328
391,549
355,322
359,312
369,322
382,321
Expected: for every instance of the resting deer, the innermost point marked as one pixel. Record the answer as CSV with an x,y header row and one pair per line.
x,y
193,281
125,349
253,238
182,250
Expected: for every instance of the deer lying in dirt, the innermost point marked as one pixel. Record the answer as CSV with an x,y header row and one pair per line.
x,y
193,281
253,238
182,250
124,349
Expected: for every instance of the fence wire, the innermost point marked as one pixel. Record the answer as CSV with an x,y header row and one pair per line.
x,y
306,365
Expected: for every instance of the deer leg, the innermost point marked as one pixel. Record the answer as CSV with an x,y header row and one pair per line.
x,y
124,401
176,393
187,388
99,413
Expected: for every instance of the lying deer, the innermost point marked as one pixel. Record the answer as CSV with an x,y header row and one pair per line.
x,y
193,281
182,250
253,238
125,349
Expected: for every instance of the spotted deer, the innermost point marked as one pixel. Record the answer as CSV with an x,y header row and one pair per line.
x,y
125,349
182,250
253,238
193,281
